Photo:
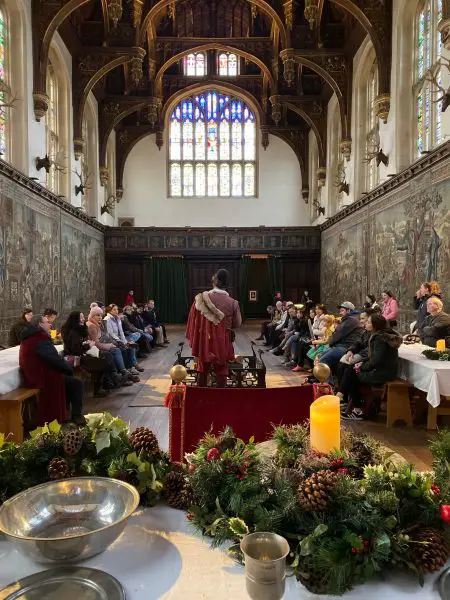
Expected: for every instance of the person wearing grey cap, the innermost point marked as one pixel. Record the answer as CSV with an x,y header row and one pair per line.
x,y
346,335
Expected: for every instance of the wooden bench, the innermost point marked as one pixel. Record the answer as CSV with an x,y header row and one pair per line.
x,y
16,412
442,410
396,396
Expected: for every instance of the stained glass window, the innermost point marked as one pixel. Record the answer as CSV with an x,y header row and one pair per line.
x,y
52,127
212,147
372,172
4,87
428,52
195,64
227,64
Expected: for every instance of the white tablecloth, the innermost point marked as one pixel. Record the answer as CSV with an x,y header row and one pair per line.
x,y
158,557
9,369
431,376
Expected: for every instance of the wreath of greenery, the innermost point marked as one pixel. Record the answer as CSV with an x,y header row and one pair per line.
x,y
433,354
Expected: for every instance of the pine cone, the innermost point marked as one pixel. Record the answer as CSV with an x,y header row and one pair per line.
x,y
314,580
144,440
429,551
73,441
313,493
58,468
177,490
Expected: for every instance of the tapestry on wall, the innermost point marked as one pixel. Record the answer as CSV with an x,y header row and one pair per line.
x,y
47,257
394,243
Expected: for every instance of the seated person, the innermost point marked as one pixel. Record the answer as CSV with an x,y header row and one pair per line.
x,y
97,333
276,333
50,314
289,329
381,366
136,317
15,333
359,352
276,317
437,325
45,369
155,323
310,352
75,335
300,339
133,334
317,324
115,330
347,333
270,311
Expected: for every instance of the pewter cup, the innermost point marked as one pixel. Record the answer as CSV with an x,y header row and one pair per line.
x,y
69,519
265,565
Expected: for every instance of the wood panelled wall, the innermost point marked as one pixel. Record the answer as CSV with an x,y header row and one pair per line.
x,y
128,251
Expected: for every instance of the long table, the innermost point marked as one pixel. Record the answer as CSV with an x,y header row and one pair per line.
x,y
10,378
159,557
430,376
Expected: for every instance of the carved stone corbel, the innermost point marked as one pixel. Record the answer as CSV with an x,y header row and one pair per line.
x,y
382,106
346,148
305,194
137,6
321,177
78,147
115,11
153,110
312,13
265,136
104,176
40,104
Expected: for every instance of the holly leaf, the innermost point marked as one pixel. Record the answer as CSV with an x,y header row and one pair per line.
x,y
238,526
54,427
102,441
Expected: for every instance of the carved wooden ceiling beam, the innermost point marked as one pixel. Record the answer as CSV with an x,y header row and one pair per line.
x,y
46,18
148,24
317,121
297,139
334,68
126,140
90,68
221,47
376,18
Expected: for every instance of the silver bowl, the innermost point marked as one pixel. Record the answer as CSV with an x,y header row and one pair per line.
x,y
70,519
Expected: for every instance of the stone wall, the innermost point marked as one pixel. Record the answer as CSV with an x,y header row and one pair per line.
x,y
397,240
50,254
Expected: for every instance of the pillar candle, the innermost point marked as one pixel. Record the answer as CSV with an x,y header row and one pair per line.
x,y
440,345
325,424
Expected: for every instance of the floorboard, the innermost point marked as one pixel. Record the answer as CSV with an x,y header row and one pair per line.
x,y
411,443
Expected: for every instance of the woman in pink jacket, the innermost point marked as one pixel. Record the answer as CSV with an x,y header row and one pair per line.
x,y
390,308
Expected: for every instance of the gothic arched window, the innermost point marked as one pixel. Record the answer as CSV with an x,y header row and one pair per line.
x,y
372,172
227,64
195,64
52,126
4,87
428,51
212,147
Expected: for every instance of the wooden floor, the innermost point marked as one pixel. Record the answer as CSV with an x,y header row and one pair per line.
x,y
142,404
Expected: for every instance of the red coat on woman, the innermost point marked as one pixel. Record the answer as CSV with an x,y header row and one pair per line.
x,y
43,368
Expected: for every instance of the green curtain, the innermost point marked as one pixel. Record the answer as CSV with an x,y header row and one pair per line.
x,y
166,284
275,268
244,268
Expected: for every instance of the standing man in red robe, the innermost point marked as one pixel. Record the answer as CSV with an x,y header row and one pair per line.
x,y
213,316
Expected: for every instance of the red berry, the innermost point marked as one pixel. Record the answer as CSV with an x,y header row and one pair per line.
x,y
190,517
434,488
343,471
213,454
445,513
354,550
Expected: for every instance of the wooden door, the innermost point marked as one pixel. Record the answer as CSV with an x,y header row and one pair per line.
x,y
200,272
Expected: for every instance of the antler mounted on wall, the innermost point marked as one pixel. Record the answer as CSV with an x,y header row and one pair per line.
x,y
108,207
5,96
340,180
83,176
320,209
432,76
58,161
374,150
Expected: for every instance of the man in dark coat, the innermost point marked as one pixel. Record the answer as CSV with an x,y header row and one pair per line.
x,y
346,335
45,369
437,325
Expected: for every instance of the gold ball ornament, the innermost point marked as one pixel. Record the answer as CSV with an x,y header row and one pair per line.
x,y
322,372
178,373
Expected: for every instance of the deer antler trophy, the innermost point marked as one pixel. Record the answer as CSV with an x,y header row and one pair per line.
x,y
433,75
108,207
374,149
83,176
340,180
